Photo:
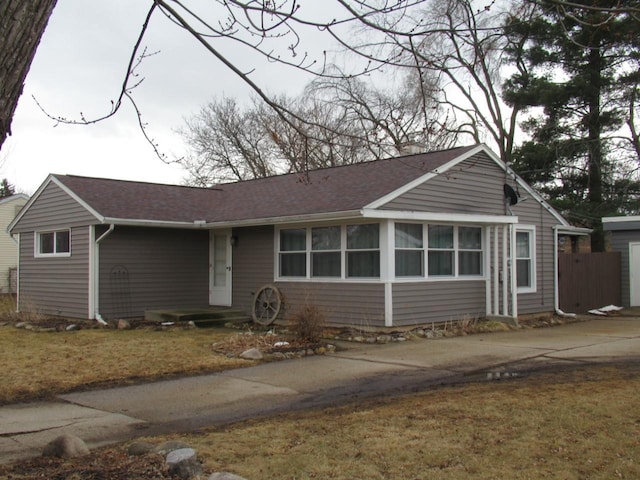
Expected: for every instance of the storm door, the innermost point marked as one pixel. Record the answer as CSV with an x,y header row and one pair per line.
x,y
220,268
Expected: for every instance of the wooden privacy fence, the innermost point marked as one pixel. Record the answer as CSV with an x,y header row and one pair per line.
x,y
588,280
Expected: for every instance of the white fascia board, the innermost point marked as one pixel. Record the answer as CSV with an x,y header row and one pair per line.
x,y
456,218
320,217
631,218
535,195
72,194
569,230
30,202
423,178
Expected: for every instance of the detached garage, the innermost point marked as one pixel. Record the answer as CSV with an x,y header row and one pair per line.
x,y
624,236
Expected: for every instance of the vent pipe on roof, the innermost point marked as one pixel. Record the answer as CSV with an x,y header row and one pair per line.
x,y
412,148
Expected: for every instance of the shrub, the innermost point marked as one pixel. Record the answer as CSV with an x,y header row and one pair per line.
x,y
307,323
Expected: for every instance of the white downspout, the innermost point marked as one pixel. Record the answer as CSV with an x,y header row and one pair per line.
x,y
96,273
17,242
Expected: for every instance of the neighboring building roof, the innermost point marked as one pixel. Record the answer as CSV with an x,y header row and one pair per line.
x,y
631,222
337,189
13,198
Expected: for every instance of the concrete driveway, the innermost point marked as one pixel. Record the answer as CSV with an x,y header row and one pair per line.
x,y
359,370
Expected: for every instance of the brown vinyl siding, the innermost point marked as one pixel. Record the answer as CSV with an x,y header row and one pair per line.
x,y
252,263
533,213
420,303
619,241
146,269
343,303
473,186
54,210
56,285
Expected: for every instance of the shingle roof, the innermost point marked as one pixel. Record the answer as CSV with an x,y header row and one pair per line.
x,y
337,189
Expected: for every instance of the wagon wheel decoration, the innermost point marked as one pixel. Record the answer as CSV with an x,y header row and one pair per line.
x,y
266,305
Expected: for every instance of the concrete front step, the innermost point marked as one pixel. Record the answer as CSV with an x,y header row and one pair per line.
x,y
209,316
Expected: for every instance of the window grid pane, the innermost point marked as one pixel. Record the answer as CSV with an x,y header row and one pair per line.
x,y
293,264
325,238
294,240
408,235
363,264
326,264
363,237
62,242
440,263
441,236
47,242
409,263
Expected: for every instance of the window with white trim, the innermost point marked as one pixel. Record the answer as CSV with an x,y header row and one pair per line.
x,y
525,259
469,251
409,250
54,243
450,250
330,252
293,252
363,250
441,256
326,252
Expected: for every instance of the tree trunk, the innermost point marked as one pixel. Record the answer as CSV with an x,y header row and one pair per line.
x,y
22,23
594,138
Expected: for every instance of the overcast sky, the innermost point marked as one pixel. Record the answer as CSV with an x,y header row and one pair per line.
x,y
79,67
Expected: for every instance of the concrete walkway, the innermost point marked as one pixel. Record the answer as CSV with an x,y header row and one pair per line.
x,y
107,416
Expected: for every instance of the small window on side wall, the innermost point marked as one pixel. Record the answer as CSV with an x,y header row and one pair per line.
x,y
525,260
56,243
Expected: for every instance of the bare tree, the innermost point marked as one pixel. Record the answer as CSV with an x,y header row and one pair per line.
x,y
22,23
346,121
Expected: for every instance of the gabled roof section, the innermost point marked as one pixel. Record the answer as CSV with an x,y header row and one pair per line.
x,y
13,198
324,191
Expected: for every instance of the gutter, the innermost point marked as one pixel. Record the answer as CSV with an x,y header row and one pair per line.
x,y
96,314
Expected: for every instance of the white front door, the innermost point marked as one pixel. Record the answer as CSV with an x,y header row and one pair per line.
x,y
220,268
634,274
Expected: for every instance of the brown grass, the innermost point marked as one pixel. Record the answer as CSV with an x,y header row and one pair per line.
x,y
578,425
574,424
37,364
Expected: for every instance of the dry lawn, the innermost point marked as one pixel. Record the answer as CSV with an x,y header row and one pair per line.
x,y
40,364
580,424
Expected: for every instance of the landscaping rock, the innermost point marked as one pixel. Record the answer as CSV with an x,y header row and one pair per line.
x,y
140,448
184,464
21,325
72,328
384,339
187,469
225,476
181,455
66,446
170,446
252,354
123,324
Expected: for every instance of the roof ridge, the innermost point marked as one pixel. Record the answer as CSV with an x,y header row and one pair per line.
x,y
335,167
139,182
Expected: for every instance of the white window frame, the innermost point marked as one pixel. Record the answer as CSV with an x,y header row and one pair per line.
x,y
343,254
37,244
456,252
531,230
422,249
